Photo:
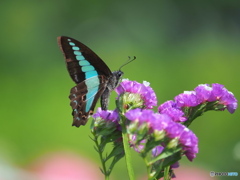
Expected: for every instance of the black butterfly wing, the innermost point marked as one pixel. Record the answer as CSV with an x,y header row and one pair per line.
x,y
90,74
67,46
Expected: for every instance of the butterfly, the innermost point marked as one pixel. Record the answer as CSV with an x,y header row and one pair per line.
x,y
92,76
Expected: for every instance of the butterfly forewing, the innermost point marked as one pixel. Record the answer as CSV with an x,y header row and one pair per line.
x,y
78,56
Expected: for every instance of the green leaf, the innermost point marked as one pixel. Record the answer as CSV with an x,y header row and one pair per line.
x,y
118,149
166,153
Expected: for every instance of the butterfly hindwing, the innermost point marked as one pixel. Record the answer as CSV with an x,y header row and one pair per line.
x,y
84,98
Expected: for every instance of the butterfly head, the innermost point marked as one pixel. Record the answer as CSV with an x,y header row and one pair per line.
x,y
115,79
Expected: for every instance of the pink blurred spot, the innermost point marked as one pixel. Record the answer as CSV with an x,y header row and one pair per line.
x,y
65,166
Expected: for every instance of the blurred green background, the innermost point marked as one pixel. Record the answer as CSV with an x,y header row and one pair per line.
x,y
178,45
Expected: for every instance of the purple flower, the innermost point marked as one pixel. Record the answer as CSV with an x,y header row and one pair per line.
x,y
177,115
174,130
175,165
186,99
144,90
141,115
229,100
105,121
156,121
203,92
157,150
168,108
161,122
190,143
217,92
107,115
138,147
167,104
187,139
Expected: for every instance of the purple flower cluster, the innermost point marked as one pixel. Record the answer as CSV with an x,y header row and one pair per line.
x,y
215,97
164,124
204,93
107,115
217,93
161,133
170,108
186,99
144,90
106,119
164,127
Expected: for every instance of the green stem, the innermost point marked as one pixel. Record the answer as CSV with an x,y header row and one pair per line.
x,y
100,152
166,173
127,151
197,111
148,167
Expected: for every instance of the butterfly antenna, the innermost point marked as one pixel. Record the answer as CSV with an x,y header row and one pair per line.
x,y
128,61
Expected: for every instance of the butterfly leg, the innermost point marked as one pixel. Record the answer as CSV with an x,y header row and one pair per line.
x,y
105,99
